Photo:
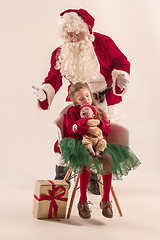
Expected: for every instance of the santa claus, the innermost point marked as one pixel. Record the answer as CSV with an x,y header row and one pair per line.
x,y
89,57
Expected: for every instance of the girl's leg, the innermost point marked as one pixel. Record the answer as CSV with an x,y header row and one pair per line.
x,y
84,180
107,179
84,211
105,204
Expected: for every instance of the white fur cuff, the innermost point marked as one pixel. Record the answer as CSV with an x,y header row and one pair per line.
x,y
115,73
49,91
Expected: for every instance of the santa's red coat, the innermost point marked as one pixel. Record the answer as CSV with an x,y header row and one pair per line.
x,y
110,58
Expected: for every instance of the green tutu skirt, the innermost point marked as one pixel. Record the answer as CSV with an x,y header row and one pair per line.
x,y
116,159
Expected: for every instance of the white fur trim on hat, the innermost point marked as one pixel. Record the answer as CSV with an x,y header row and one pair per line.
x,y
50,93
91,37
71,22
115,73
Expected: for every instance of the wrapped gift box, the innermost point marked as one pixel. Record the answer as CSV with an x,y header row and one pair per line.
x,y
50,198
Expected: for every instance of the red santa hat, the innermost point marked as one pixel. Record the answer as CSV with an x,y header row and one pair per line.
x,y
76,20
92,107
84,14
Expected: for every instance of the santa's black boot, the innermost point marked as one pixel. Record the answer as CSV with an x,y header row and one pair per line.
x,y
60,174
93,185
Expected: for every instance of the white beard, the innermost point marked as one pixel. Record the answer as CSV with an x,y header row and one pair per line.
x,y
77,61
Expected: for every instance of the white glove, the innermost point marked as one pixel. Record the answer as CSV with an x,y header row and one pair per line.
x,y
121,81
40,94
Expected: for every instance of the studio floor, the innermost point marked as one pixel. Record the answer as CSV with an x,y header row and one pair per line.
x,y
139,202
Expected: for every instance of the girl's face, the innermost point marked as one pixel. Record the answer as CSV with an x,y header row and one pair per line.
x,y
82,97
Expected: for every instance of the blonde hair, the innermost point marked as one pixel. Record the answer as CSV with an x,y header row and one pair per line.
x,y
76,88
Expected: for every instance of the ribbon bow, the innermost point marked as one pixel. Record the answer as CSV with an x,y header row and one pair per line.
x,y
52,197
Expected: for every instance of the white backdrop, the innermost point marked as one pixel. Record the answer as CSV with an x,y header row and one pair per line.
x,y
28,37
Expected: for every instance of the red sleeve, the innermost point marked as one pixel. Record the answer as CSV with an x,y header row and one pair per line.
x,y
44,105
80,122
118,90
117,59
54,77
110,54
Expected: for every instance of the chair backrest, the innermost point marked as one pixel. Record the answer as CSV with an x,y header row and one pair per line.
x,y
59,120
118,134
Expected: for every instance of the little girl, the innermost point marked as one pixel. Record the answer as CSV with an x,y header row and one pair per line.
x,y
115,162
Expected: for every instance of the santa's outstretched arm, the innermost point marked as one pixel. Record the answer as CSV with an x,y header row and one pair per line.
x,y
52,83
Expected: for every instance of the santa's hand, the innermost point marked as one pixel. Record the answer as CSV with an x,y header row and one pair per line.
x,y
75,127
121,81
95,131
40,93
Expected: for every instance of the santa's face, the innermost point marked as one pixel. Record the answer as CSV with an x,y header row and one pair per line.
x,y
75,36
83,97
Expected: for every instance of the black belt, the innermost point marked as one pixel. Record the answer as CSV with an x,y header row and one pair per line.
x,y
100,95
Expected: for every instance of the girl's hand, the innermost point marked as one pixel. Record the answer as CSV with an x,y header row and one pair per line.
x,y
93,122
95,131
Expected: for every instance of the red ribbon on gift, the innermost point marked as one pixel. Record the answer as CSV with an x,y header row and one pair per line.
x,y
52,197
